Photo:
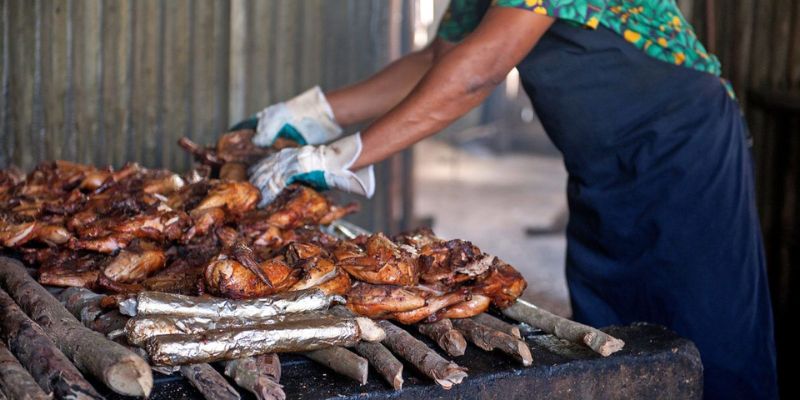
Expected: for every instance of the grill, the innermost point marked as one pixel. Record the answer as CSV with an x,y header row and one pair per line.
x,y
655,363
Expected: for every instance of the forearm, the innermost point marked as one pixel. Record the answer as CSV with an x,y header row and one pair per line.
x,y
461,80
378,94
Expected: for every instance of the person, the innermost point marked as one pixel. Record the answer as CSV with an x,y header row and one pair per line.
x,y
663,226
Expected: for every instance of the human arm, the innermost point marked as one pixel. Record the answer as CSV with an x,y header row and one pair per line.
x,y
458,82
314,117
379,93
462,79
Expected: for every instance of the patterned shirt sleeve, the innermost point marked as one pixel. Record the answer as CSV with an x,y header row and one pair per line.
x,y
461,18
582,12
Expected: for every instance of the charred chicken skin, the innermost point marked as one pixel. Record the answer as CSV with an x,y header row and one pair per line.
x,y
378,260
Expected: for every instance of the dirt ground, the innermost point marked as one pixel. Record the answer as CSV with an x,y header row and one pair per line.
x,y
492,200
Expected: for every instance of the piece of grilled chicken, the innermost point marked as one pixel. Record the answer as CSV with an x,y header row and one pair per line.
x,y
402,304
445,262
378,260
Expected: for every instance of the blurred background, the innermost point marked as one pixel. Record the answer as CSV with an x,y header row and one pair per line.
x,y
109,82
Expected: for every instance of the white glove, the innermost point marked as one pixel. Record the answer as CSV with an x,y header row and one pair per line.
x,y
322,167
306,119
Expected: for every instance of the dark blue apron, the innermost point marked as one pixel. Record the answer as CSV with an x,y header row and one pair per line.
x,y
663,226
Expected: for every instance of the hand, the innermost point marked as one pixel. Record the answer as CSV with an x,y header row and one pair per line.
x,y
306,119
321,167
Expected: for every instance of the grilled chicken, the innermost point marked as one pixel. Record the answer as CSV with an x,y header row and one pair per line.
x,y
378,301
238,274
136,229
378,261
447,262
70,268
135,264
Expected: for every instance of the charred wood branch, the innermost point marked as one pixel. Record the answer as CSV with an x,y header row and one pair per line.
x,y
111,324
15,381
342,361
448,338
490,339
259,375
209,382
390,368
427,361
82,303
86,306
497,324
51,369
117,367
599,341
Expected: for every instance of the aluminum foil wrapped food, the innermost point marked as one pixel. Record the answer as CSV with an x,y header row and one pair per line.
x,y
291,336
140,328
157,303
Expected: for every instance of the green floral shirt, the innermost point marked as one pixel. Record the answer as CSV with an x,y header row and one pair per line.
x,y
657,27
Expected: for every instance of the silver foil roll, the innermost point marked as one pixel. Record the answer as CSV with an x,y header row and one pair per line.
x,y
293,336
157,303
141,328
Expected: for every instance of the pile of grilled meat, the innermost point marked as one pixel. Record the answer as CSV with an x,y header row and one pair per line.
x,y
134,229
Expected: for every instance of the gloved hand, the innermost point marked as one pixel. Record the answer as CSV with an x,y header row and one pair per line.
x,y
322,167
306,119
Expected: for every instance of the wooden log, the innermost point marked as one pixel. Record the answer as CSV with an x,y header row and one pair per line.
x,y
260,375
15,381
50,368
111,324
209,382
390,368
342,361
490,339
82,303
445,373
498,324
85,305
597,340
448,338
117,367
